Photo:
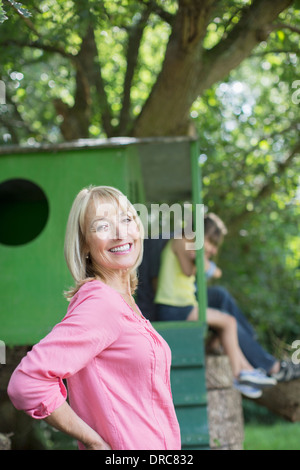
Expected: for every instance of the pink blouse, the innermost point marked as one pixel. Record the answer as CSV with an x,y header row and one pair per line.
x,y
117,369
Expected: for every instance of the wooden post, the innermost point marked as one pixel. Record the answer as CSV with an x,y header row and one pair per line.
x,y
225,413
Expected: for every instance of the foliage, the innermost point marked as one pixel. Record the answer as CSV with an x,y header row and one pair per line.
x,y
45,72
106,65
3,17
244,148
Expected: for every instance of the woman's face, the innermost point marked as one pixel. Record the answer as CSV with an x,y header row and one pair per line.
x,y
112,235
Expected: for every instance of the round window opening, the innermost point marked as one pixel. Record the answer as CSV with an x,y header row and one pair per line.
x,y
24,211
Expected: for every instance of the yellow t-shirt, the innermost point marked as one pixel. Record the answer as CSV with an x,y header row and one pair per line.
x,y
174,287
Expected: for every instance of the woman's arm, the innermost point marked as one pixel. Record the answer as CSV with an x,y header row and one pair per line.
x,y
37,384
67,421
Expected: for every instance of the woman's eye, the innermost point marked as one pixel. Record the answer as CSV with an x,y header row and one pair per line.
x,y
127,220
102,227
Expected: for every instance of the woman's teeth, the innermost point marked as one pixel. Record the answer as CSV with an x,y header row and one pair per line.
x,y
120,248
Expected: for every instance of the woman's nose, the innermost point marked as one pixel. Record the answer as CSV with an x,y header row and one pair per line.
x,y
120,231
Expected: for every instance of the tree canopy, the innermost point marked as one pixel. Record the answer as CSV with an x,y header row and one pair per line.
x,y
128,67
227,71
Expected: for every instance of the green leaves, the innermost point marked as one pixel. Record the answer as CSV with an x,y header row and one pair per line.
x,y
18,7
3,16
249,133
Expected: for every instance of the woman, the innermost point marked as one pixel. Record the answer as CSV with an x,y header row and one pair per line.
x,y
116,365
176,300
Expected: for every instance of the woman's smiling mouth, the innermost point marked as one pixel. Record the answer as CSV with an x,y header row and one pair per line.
x,y
121,248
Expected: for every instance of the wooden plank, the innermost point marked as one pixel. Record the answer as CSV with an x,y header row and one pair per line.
x,y
188,382
186,340
188,386
193,426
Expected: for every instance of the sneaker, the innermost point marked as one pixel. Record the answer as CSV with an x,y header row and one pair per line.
x,y
256,378
247,390
288,371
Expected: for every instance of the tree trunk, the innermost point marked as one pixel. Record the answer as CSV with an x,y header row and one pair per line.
x,y
283,400
189,69
76,118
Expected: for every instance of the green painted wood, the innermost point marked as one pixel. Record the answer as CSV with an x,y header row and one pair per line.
x,y
186,341
188,386
193,426
197,200
35,273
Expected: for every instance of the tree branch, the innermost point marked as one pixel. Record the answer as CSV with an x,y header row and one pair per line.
x,y
155,8
188,69
24,15
38,45
286,26
16,120
134,41
92,68
276,51
10,126
254,26
241,169
195,16
166,110
265,190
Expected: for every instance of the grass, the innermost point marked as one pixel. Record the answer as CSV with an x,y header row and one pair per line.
x,y
280,436
266,431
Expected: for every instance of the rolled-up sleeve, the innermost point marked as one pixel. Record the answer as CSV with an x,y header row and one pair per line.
x,y
37,385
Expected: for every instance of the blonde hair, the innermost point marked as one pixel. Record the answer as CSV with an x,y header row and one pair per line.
x,y
80,266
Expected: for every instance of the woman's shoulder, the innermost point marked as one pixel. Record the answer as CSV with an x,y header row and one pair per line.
x,y
94,291
92,285
95,305
88,287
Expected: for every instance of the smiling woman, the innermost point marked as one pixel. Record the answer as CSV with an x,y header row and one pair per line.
x,y
101,225
117,367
